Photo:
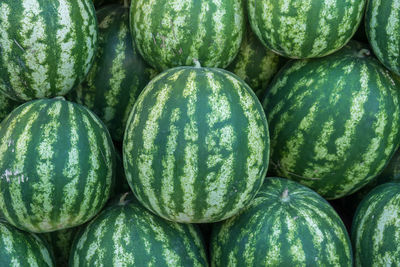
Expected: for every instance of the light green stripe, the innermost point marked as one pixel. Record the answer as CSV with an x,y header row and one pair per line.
x,y
201,31
118,74
33,34
219,37
145,160
6,48
120,237
273,253
190,168
293,238
95,249
66,39
71,171
374,26
42,205
168,163
392,33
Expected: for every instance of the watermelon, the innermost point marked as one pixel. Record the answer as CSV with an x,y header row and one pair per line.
x,y
178,33
305,28
287,224
127,234
56,165
334,121
6,106
46,47
118,75
255,63
382,24
19,248
196,146
375,231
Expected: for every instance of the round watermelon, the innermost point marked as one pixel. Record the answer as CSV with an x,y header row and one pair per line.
x,y
178,33
334,121
375,231
286,224
127,234
305,28
118,75
19,248
56,165
46,47
382,25
196,146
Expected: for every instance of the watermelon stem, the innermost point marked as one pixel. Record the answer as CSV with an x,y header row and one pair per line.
x,y
196,63
285,195
363,53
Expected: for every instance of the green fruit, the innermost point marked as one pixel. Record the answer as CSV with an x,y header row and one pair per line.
x,y
382,26
20,248
196,146
126,234
178,33
286,224
334,121
305,28
376,227
46,47
56,165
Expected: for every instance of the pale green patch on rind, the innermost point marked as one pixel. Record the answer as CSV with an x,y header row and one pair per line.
x,y
44,187
122,257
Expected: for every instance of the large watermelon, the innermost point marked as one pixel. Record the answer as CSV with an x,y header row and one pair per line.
x,y
334,121
56,165
305,28
196,146
375,231
126,234
118,75
255,63
46,47
287,224
19,248
177,33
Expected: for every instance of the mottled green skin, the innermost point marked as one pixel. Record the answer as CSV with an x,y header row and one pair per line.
x,y
286,224
6,106
375,230
47,47
61,243
255,63
382,25
118,75
56,165
171,33
305,28
127,234
334,121
196,147
20,248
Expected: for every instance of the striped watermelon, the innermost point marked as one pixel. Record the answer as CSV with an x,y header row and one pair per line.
x,y
56,165
376,227
255,63
287,224
196,146
177,33
118,75
305,28
20,248
6,106
382,24
126,234
46,47
334,121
